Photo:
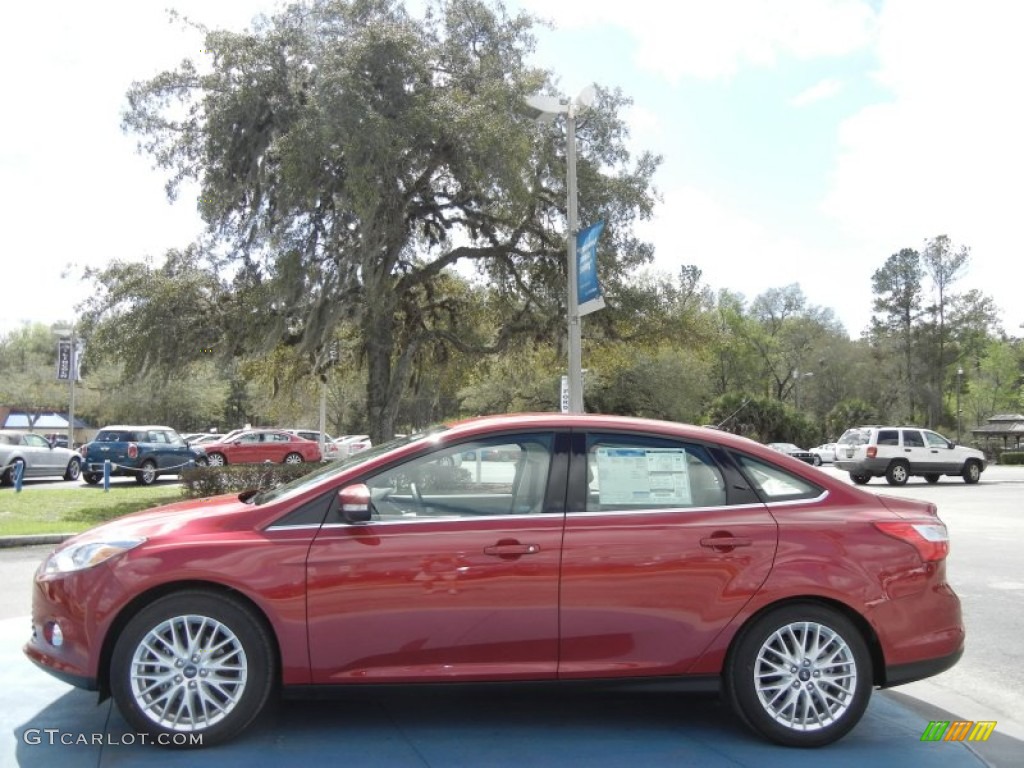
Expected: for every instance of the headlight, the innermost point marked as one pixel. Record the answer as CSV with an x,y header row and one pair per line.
x,y
78,557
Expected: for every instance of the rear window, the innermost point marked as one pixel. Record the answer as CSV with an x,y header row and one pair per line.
x,y
855,437
119,436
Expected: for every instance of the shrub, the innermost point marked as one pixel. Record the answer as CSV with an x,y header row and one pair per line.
x,y
212,481
1012,457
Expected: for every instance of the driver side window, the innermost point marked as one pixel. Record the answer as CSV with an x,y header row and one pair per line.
x,y
506,476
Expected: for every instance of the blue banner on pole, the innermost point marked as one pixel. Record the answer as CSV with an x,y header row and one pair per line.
x,y
588,294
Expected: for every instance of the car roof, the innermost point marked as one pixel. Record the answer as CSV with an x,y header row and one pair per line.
x,y
138,426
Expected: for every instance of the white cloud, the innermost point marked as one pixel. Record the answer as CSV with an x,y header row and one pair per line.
x,y
696,38
823,89
945,156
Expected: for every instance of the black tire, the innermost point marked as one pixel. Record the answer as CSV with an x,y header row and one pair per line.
x,y
860,479
201,461
817,460
293,458
972,472
74,470
932,478
216,460
91,478
786,634
231,647
8,476
897,473
147,474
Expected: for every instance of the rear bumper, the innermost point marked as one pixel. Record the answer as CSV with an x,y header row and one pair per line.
x,y
899,674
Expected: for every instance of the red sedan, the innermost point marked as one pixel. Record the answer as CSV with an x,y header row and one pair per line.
x,y
255,446
603,548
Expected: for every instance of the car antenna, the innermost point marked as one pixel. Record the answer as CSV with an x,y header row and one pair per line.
x,y
728,418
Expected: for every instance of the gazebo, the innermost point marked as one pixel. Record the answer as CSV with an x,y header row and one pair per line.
x,y
1008,426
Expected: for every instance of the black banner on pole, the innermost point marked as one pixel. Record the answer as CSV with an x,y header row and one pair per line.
x,y
64,359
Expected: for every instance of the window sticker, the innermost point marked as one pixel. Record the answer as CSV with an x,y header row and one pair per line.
x,y
644,476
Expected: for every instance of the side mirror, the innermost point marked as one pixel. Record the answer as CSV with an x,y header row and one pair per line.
x,y
356,506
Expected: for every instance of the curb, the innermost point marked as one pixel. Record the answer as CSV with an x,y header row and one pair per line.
x,y
34,539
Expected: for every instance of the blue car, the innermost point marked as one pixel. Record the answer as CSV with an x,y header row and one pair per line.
x,y
143,452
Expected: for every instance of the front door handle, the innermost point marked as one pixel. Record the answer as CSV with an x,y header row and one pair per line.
x,y
725,542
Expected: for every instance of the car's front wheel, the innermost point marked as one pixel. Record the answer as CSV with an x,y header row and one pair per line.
x,y
800,675
293,458
897,473
972,472
74,469
12,471
192,664
216,460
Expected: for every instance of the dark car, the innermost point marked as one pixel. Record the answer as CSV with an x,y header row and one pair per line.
x,y
611,549
796,452
143,452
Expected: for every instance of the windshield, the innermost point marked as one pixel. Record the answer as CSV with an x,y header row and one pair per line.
x,y
332,468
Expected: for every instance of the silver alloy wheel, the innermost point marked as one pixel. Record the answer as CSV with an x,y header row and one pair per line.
x,y
148,473
74,470
215,460
805,676
188,673
293,458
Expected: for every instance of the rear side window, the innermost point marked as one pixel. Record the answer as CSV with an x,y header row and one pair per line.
x,y
912,439
633,473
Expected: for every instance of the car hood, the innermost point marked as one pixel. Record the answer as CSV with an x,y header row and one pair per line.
x,y
183,518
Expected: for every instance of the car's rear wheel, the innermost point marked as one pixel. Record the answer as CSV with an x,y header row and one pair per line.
x,y
972,472
192,663
800,675
147,473
74,469
860,479
293,458
897,473
91,478
932,478
216,460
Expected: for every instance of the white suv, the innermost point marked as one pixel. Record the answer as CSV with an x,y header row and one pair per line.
x,y
896,453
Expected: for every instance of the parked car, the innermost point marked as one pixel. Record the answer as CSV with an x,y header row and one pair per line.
x,y
796,452
613,548
254,446
824,454
37,456
57,439
331,451
899,453
143,452
351,444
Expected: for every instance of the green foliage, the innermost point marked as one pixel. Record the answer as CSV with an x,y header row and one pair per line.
x,y
202,482
847,414
1014,458
348,154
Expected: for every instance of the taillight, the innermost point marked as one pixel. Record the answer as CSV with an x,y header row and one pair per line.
x,y
83,448
931,540
133,451
872,451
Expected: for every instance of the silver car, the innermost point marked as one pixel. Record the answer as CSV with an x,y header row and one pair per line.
x,y
37,457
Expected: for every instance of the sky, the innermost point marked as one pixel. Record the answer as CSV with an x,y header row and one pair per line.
x,y
803,141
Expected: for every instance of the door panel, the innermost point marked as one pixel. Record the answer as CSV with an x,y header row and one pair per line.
x,y
647,586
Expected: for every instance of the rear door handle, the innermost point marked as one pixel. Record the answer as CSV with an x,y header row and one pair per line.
x,y
511,549
725,542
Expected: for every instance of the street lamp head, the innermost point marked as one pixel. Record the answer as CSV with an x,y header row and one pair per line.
x,y
959,371
543,109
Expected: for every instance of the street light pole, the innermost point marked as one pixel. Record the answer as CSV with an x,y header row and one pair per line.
x,y
796,386
543,108
959,382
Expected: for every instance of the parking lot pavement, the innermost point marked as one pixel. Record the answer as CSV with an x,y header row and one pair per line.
x,y
44,722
